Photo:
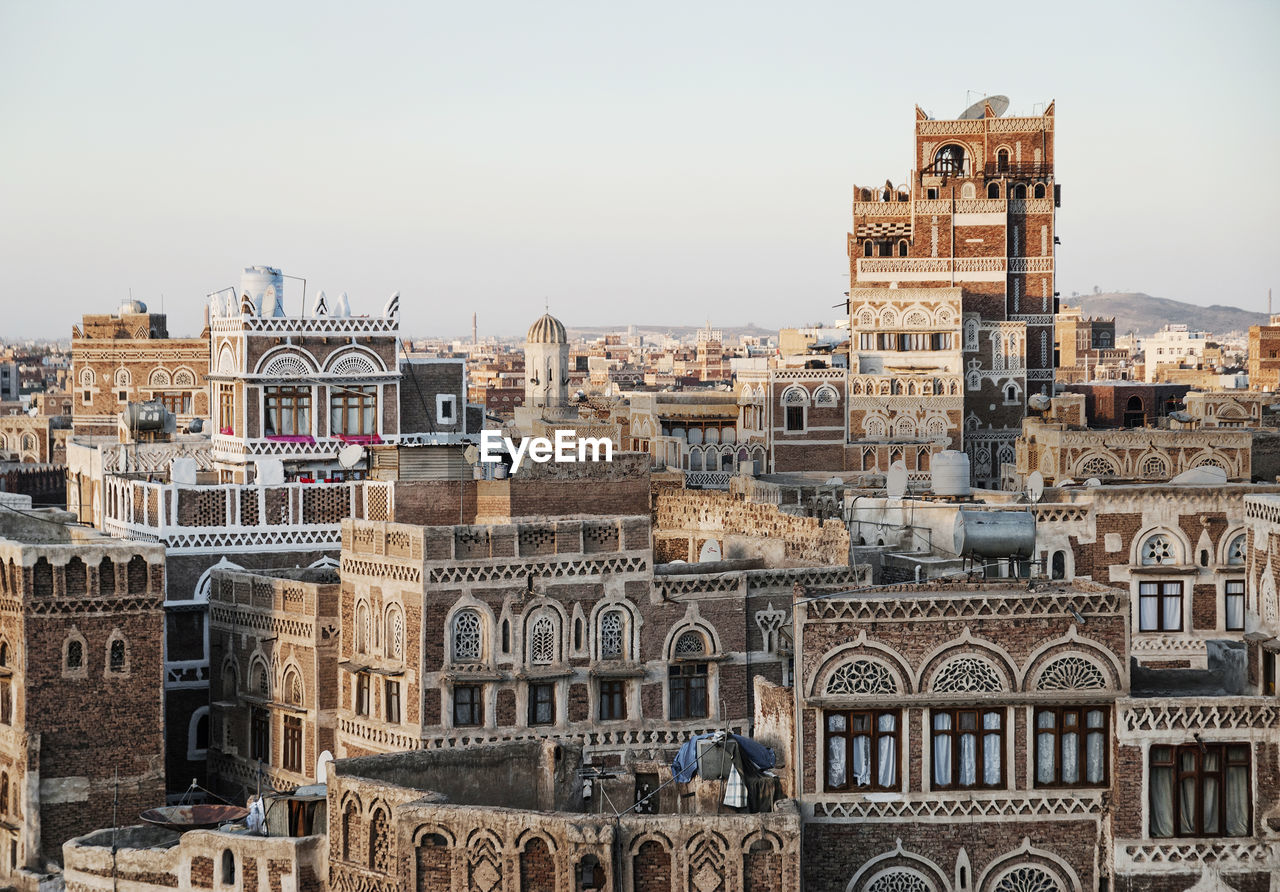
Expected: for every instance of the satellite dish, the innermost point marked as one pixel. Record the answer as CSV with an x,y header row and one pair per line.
x,y
322,767
1093,481
350,456
1039,402
195,426
835,481
896,480
1180,416
999,105
1066,481
1035,486
471,454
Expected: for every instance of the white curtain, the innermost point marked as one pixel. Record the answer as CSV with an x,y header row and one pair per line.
x,y
991,749
1148,606
1071,758
1237,801
1211,761
1187,805
1173,609
941,751
968,759
1095,757
1045,749
835,762
1235,611
862,760
887,757
1161,802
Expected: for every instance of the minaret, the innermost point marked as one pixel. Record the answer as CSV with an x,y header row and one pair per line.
x,y
546,364
474,338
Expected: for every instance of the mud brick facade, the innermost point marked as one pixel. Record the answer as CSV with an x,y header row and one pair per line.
x,y
129,357
556,629
274,648
1190,541
975,223
893,789
448,819
81,684
692,525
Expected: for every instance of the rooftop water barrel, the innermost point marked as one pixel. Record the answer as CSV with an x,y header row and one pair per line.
x,y
950,473
995,533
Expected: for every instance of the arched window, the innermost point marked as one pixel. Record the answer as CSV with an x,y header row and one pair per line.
x,y
950,161
967,674
1235,550
902,248
293,688
1002,160
4,793
861,677
866,248
379,843
350,830
1020,190
542,641
1071,673
394,633
1011,394
1058,568
466,635
1039,190
261,681
1027,879
228,867
1158,549
73,655
993,190
363,628
117,657
691,644
612,638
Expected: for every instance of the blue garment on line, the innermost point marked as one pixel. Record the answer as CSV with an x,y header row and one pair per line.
x,y
685,764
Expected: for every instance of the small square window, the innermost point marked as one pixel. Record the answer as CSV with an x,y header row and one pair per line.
x,y
124,396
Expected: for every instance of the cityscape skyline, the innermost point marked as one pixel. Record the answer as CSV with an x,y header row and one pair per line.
x,y
579,156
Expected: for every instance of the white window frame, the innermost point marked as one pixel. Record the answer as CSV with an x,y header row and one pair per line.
x,y
450,400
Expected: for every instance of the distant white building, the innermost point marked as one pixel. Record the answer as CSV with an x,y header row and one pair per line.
x,y
1173,344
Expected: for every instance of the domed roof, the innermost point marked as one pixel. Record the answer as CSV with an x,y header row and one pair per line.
x,y
547,330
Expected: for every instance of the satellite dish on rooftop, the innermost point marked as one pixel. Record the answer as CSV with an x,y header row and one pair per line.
x,y
1039,402
999,105
896,480
1035,486
471,454
350,456
1093,481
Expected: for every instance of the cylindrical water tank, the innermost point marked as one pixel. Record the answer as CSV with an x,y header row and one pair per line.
x,y
995,533
949,471
145,416
263,284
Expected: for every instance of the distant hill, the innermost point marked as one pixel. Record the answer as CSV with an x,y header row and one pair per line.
x,y
1145,314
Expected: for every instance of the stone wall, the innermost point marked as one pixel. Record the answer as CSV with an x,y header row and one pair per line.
x,y
744,529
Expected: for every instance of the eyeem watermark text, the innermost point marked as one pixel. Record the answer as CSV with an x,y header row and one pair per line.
x,y
567,447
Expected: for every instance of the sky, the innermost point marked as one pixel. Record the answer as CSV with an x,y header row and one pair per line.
x,y
655,164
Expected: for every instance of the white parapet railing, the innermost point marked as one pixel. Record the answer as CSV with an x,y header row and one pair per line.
x,y
213,518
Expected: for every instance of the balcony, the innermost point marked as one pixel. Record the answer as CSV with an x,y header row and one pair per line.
x,y
1019,170
936,269
212,519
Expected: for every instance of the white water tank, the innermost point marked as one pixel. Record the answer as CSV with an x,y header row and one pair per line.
x,y
949,472
265,287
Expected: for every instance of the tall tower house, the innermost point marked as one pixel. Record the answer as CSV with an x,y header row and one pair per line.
x,y
951,296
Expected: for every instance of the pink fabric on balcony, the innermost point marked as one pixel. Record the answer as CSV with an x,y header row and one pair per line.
x,y
361,439
310,441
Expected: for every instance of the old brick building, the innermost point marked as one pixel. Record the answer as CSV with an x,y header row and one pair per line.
x,y
274,650
81,684
973,227
958,736
128,356
1264,356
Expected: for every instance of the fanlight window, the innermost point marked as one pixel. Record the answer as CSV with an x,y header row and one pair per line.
x,y
466,635
261,682
900,881
949,160
183,378
1097,466
542,641
1158,549
1154,466
395,634
966,674
826,396
795,396
354,365
861,677
1072,674
611,635
691,644
1235,551
286,366
1027,879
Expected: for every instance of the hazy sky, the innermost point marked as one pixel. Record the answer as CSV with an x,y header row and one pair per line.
x,y
642,163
